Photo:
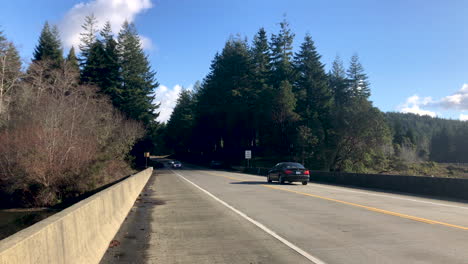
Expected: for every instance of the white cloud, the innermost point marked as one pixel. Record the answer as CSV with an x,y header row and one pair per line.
x,y
463,117
457,101
413,105
168,99
146,43
114,11
418,111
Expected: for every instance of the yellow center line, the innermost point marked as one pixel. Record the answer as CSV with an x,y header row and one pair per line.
x,y
415,218
232,178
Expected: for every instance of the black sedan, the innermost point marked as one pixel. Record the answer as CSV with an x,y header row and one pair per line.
x,y
289,172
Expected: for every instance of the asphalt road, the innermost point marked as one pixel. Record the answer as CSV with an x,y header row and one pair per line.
x,y
196,215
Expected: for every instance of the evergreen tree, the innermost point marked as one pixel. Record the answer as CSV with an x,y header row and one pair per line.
x,y
88,37
180,125
260,57
106,32
207,116
228,99
136,89
260,54
338,82
236,75
359,85
93,67
101,65
72,60
281,54
138,80
314,97
196,88
312,90
111,83
283,116
49,47
280,79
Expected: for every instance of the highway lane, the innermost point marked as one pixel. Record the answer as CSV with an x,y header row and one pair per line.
x,y
174,222
345,225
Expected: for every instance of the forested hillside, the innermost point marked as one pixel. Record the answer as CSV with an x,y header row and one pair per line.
x,y
283,105
419,138
69,124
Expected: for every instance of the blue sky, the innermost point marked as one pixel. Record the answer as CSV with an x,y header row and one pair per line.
x,y
415,52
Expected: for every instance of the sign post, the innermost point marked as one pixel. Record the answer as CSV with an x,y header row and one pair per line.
x,y
147,154
248,156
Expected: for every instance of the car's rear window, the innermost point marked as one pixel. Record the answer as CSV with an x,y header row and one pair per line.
x,y
290,165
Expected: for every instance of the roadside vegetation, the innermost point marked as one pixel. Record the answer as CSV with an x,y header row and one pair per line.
x,y
283,105
69,125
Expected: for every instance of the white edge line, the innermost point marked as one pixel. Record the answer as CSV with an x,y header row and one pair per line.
x,y
261,226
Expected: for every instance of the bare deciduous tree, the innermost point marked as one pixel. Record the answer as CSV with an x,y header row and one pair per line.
x,y
62,137
10,72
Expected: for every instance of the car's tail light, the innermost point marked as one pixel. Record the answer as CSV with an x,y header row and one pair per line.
x,y
288,171
307,172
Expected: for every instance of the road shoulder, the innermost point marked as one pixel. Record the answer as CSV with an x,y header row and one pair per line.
x,y
173,222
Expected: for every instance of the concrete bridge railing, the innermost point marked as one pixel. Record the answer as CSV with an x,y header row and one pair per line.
x,y
78,234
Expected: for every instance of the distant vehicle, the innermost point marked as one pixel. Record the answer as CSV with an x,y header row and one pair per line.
x,y
289,172
216,164
170,163
176,164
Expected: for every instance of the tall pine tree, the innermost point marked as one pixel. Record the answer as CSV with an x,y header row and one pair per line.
x,y
138,79
180,125
314,100
338,82
93,69
228,99
359,85
311,87
260,53
100,61
72,60
49,47
261,57
111,83
283,117
138,84
281,79
281,55
87,37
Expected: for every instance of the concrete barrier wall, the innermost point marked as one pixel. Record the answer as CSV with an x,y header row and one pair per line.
x,y
78,234
442,187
